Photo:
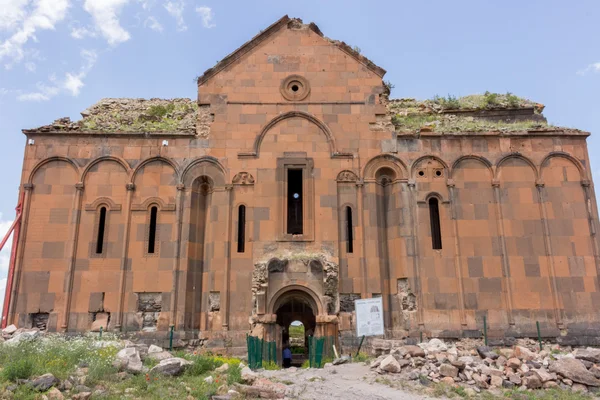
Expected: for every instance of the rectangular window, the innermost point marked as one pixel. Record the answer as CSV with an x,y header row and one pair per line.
x,y
241,239
349,232
101,227
152,230
436,231
294,202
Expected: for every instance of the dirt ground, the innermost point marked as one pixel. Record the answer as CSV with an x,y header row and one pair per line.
x,y
348,381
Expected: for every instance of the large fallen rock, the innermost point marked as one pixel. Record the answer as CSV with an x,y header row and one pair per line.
x,y
171,366
389,364
574,370
9,330
433,346
263,388
487,352
248,376
128,359
44,382
22,336
448,370
589,354
523,353
414,351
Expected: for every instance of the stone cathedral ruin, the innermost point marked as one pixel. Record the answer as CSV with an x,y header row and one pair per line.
x,y
294,185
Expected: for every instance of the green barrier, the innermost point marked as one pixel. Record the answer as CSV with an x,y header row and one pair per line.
x,y
259,350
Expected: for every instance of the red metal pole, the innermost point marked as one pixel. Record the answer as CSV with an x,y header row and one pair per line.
x,y
14,228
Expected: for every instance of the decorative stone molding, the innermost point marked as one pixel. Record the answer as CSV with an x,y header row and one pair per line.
x,y
130,186
295,88
347,176
28,186
112,206
243,178
79,186
153,200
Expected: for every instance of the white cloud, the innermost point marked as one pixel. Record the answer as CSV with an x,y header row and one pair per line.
x,y
30,66
82,32
594,68
146,4
175,8
72,83
106,17
44,15
44,93
207,16
153,24
2,292
11,13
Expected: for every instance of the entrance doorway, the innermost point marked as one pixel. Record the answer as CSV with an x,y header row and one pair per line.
x,y
297,319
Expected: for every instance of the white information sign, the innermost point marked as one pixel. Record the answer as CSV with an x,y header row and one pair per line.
x,y
369,317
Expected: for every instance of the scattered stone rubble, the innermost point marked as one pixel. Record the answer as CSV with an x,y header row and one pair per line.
x,y
476,367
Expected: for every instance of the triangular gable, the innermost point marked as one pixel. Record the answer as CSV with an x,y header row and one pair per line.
x,y
273,28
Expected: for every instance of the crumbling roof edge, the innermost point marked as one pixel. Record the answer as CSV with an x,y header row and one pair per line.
x,y
107,133
271,29
489,132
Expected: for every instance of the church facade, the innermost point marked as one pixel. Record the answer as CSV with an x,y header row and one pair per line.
x,y
292,187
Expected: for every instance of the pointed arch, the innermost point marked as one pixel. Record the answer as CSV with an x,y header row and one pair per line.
x,y
40,164
295,114
147,161
518,156
385,161
118,160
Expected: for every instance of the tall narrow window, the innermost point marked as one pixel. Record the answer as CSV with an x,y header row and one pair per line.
x,y
101,228
241,238
349,232
152,230
434,217
294,202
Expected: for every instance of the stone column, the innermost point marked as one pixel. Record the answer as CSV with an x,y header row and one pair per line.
x,y
72,249
124,265
178,223
549,253
457,260
361,225
414,221
505,261
588,193
227,275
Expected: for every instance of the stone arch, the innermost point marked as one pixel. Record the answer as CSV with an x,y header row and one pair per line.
x,y
293,114
205,166
153,201
560,154
118,160
103,201
147,161
482,160
290,291
414,166
518,156
40,164
384,161
347,176
436,195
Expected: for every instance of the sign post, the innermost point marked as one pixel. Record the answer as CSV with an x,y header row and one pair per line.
x,y
369,318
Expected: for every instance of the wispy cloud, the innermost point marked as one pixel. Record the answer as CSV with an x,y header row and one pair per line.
x,y
153,24
44,15
592,68
72,83
30,66
175,8
105,14
207,16
82,33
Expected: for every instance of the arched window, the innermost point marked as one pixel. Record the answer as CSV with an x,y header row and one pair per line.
x,y
152,230
349,231
434,217
101,229
241,236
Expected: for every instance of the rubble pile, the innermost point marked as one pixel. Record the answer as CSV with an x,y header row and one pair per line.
x,y
476,367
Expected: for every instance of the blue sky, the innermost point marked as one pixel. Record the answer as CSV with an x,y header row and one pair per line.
x,y
57,57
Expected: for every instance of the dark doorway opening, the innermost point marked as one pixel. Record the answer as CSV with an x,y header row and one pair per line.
x,y
297,319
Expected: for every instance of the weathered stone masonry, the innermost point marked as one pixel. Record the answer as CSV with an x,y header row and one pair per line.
x,y
517,210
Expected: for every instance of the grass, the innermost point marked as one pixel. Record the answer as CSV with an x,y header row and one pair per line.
x,y
448,391
361,357
297,332
452,123
61,357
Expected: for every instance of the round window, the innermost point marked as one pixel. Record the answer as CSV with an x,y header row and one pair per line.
x,y
295,88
